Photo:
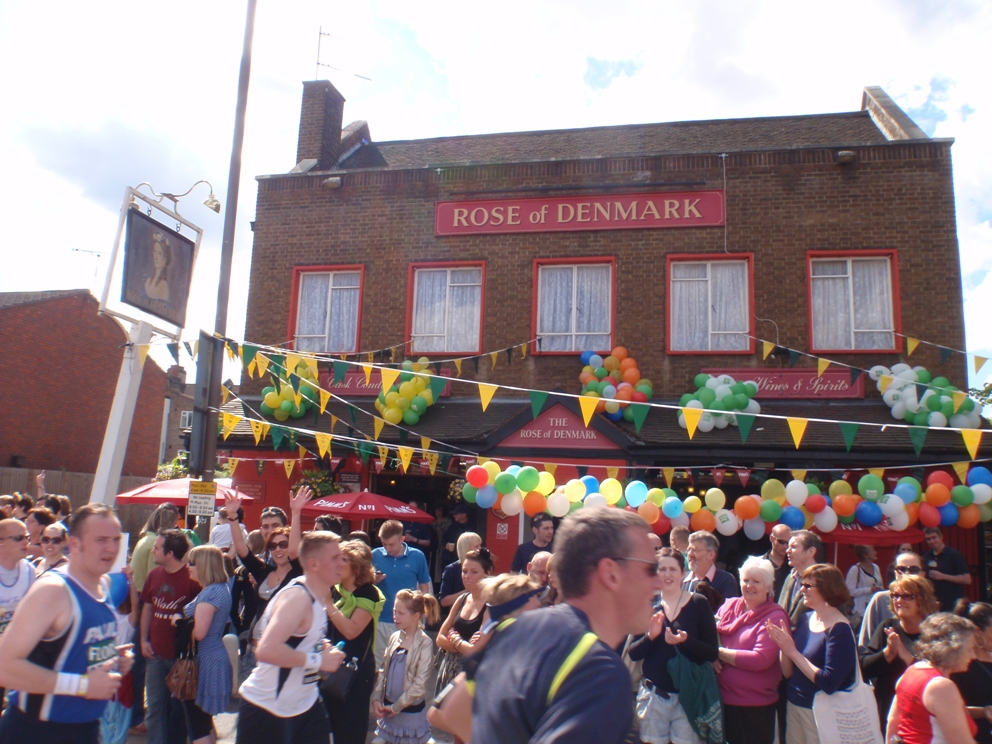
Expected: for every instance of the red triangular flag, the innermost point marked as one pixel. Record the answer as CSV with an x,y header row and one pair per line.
x,y
744,475
718,474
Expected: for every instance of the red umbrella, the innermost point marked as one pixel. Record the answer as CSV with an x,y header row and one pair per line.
x,y
856,534
365,505
176,491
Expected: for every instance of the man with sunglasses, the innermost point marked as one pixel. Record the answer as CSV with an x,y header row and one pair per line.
x,y
16,573
779,538
880,608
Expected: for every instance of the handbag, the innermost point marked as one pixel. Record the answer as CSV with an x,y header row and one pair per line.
x,y
338,685
183,677
848,716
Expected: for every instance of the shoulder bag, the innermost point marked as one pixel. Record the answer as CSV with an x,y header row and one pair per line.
x,y
184,675
848,716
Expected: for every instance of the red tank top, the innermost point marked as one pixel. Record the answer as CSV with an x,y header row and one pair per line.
x,y
916,724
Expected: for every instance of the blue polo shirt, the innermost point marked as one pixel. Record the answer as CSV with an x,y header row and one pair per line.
x,y
407,571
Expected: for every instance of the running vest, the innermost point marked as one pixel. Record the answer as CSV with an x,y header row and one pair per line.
x,y
13,591
288,692
917,725
89,639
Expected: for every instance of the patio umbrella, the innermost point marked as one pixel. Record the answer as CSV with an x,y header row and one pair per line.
x,y
365,505
176,491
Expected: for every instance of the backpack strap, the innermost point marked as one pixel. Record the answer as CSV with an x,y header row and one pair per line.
x,y
586,642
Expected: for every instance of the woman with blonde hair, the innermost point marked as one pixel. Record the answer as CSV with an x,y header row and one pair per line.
x,y
451,578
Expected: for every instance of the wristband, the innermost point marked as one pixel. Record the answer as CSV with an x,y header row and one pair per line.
x,y
84,686
312,663
67,684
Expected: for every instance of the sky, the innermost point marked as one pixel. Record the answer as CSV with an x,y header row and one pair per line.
x,y
101,96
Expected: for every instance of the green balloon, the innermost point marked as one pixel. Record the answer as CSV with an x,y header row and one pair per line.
x,y
933,402
528,478
962,495
813,489
770,511
382,397
468,492
297,412
742,401
411,417
418,404
924,376
287,406
628,414
967,406
751,389
701,379
920,419
847,520
909,417
601,372
738,388
505,483
408,365
947,407
706,396
940,382
685,399
718,405
729,402
406,376
871,487
267,390
622,503
267,410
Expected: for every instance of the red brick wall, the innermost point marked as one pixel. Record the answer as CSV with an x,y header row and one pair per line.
x,y
59,367
779,206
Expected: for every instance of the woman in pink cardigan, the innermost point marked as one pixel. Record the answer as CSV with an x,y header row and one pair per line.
x,y
748,668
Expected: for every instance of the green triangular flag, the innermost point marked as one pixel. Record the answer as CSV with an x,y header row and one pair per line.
x,y
744,423
351,432
582,470
794,357
404,435
921,389
639,412
436,366
339,369
234,346
437,387
849,431
189,350
279,360
174,350
918,435
509,355
294,380
444,462
365,449
945,354
855,374
351,415
278,435
518,463
475,361
537,401
248,353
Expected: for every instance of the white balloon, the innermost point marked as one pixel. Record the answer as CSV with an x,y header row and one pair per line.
x,y
959,421
936,419
754,528
877,371
983,493
727,522
558,504
890,397
595,499
694,404
723,390
899,369
898,411
682,520
908,399
900,521
512,504
706,423
726,380
720,421
752,407
889,505
682,420
731,418
713,383
826,520
796,492
975,419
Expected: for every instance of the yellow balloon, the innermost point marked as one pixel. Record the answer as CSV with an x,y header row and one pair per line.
x,y
656,496
287,393
692,504
493,469
611,490
408,390
772,489
423,362
575,490
273,400
393,415
391,399
545,483
715,499
419,383
839,487
427,395
809,518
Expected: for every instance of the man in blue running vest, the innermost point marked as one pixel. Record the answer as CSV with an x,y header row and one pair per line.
x,y
59,653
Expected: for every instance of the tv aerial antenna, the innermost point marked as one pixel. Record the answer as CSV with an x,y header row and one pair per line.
x,y
320,37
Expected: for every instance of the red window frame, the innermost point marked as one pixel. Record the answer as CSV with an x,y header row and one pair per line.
x,y
294,298
411,286
671,258
890,253
572,261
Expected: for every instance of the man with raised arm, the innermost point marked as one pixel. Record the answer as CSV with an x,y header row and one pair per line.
x,y
59,650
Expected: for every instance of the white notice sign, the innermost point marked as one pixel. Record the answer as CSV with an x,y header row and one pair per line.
x,y
202,498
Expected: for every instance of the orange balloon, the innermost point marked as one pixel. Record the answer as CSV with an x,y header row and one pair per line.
x,y
631,375
625,394
534,503
611,363
968,516
845,505
619,352
628,363
650,512
703,520
747,508
913,512
601,405
585,377
937,494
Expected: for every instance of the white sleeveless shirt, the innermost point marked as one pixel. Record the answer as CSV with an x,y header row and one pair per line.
x,y
288,692
14,585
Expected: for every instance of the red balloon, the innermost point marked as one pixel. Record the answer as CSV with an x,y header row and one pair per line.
x,y
928,515
941,477
815,503
477,476
662,525
639,397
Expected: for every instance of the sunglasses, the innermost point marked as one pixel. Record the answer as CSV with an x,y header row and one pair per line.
x,y
903,597
914,570
52,541
652,569
281,545
807,585
779,540
15,538
191,564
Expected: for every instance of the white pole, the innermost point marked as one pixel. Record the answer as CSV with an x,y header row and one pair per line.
x,y
108,471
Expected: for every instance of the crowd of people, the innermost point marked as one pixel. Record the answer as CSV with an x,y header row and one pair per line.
x,y
601,631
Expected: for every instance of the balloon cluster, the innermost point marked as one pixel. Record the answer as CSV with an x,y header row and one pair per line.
x,y
279,400
616,381
722,397
409,397
913,395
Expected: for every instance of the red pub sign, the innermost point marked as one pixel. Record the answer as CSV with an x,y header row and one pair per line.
x,y
798,383
642,211
558,428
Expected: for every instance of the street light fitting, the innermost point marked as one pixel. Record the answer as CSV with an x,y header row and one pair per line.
x,y
211,202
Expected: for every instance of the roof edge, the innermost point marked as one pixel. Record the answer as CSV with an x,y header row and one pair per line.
x,y
890,119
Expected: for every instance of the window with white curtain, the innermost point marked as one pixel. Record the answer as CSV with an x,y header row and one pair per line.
x,y
447,309
575,307
852,303
709,306
327,316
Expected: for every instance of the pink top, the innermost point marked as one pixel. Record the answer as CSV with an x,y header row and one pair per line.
x,y
754,679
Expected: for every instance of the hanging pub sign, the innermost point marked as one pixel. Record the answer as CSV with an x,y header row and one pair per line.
x,y
798,383
664,209
158,268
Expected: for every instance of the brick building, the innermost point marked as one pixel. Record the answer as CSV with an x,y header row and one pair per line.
x,y
689,243
60,364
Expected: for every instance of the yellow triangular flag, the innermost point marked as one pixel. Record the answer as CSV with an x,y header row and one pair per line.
x,y
334,421
523,351
292,362
799,475
877,472
298,399
483,460
367,369
885,381
288,466
230,351
143,353
588,405
325,398
692,416
263,364
378,424
911,344
224,393
669,474
370,357
767,347
383,453
612,472
432,461
979,362
797,426
550,467
389,376
311,363
241,355
486,393
251,368
323,443
972,438
458,366
232,465
961,468
258,429
196,348
494,355
302,453
821,366
959,397
425,444
230,420
406,454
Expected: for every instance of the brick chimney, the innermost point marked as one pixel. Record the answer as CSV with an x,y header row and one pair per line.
x,y
320,124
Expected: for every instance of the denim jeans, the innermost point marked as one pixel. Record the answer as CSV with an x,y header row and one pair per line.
x,y
138,680
164,716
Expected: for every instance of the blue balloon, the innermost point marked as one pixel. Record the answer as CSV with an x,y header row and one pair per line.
x,y
979,475
948,514
592,485
793,517
869,513
513,470
615,416
486,496
826,497
906,492
672,507
118,589
585,356
636,493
